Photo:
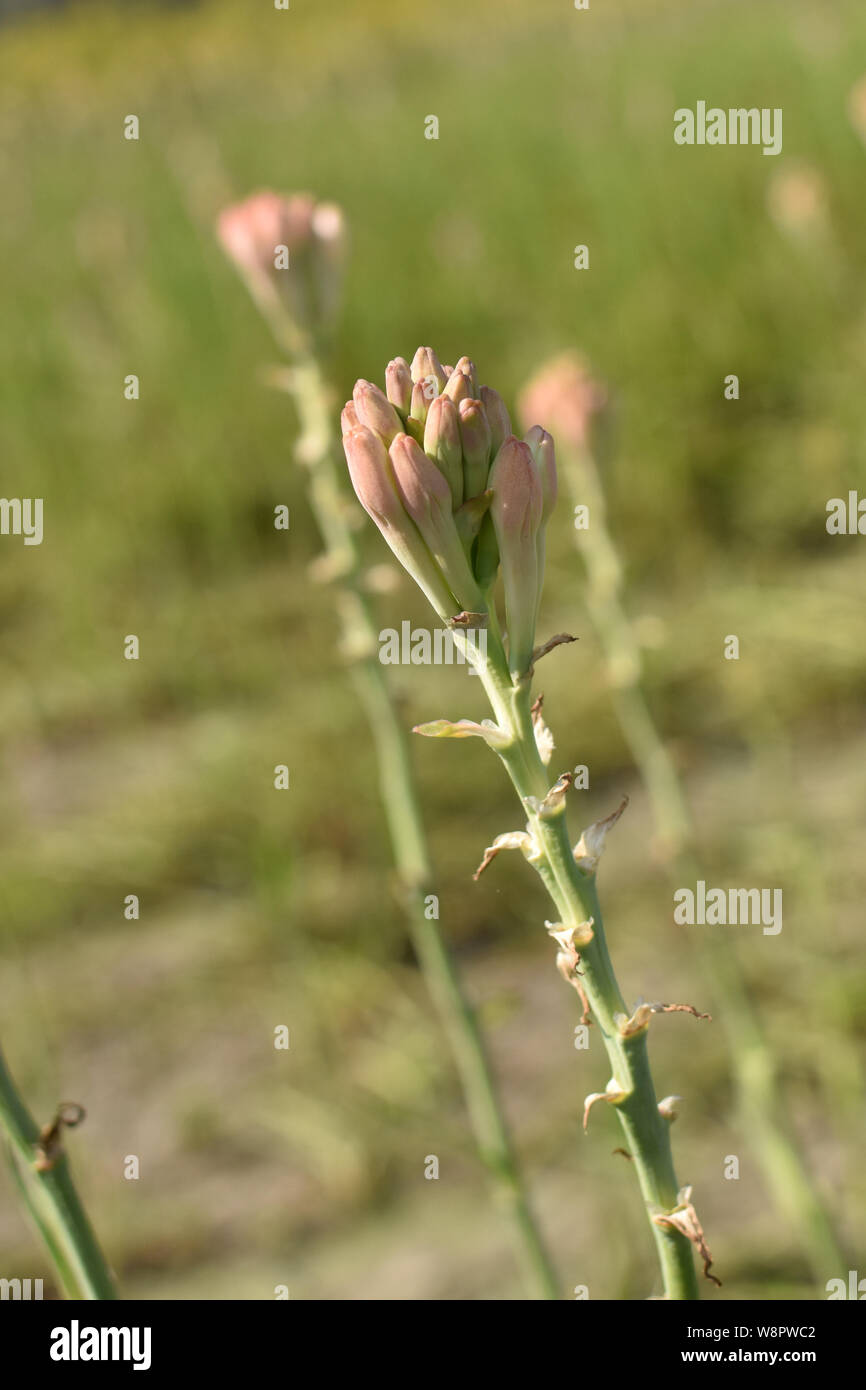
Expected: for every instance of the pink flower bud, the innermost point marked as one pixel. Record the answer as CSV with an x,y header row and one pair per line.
x,y
497,417
475,437
398,384
421,403
467,367
516,514
427,367
544,456
565,396
426,496
376,411
442,444
290,251
349,417
374,484
459,386
251,231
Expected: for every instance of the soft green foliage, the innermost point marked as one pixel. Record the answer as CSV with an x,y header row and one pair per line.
x,y
155,777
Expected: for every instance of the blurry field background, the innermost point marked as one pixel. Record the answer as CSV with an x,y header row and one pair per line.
x,y
155,777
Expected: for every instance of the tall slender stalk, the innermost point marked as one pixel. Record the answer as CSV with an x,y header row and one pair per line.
x,y
50,1196
759,1092
573,891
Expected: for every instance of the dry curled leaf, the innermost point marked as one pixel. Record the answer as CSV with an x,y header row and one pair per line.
x,y
587,851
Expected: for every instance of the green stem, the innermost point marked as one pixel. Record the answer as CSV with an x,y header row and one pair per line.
x,y
760,1097
574,894
53,1202
327,495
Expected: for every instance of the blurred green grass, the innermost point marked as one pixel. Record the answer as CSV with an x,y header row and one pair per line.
x,y
155,777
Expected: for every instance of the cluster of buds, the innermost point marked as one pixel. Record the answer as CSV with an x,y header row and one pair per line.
x,y
434,462
291,253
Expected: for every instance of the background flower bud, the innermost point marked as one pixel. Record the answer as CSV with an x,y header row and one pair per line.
x,y
304,295
565,396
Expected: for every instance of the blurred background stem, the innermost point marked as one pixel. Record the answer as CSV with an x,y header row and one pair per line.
x,y
52,1201
759,1091
317,446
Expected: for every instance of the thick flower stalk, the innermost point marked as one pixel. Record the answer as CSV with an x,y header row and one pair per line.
x,y
566,394
300,313
501,492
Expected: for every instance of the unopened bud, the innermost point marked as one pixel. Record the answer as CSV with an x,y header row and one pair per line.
x,y
420,404
374,484
544,456
516,513
349,417
467,367
475,436
426,496
442,444
398,384
426,365
375,410
459,387
497,417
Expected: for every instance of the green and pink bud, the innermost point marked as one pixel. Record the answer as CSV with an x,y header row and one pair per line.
x,y
475,437
497,417
544,457
375,410
426,497
442,443
375,487
516,515
349,418
459,386
429,372
398,384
